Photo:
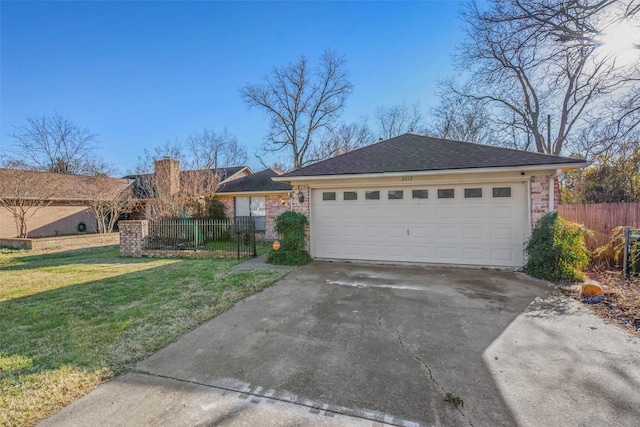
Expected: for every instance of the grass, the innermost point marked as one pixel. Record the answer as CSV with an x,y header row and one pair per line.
x,y
69,321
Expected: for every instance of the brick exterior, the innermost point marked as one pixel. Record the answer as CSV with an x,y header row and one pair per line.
x,y
58,243
229,204
304,207
52,220
274,206
167,173
539,189
556,193
133,237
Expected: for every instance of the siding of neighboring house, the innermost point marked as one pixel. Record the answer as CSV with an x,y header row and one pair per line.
x,y
55,219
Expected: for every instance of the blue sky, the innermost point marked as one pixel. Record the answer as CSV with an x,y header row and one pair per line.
x,y
142,73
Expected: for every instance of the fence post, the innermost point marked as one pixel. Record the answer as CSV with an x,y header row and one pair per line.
x,y
195,235
625,262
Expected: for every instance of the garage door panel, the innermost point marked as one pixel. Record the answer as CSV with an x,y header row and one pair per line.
x,y
473,233
480,231
446,233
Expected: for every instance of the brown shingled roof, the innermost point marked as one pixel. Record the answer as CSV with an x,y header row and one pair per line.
x,y
414,153
56,186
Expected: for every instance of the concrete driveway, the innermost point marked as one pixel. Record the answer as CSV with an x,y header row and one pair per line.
x,y
358,344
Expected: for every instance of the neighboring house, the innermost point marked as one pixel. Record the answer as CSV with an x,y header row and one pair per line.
x,y
169,182
421,199
257,196
52,203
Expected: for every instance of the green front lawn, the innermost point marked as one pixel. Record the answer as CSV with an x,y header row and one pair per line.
x,y
69,321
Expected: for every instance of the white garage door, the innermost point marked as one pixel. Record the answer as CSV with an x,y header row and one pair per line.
x,y
478,224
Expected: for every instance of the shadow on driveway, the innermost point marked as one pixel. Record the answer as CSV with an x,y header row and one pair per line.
x,y
376,343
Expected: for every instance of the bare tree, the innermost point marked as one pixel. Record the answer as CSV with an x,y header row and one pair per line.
x,y
52,143
462,119
344,138
23,193
399,119
211,150
537,64
301,103
203,159
108,201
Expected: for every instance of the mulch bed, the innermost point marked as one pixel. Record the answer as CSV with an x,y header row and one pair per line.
x,y
621,302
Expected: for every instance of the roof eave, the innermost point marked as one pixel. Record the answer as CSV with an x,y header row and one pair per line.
x,y
527,168
244,193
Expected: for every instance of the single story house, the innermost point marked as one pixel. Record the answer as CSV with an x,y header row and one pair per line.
x,y
169,181
258,196
421,199
52,203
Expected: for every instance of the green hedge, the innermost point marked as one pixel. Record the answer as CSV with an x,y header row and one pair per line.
x,y
290,226
556,249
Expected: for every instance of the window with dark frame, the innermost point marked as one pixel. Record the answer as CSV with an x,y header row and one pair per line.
x,y
472,193
372,195
446,193
501,191
395,194
350,195
329,195
420,194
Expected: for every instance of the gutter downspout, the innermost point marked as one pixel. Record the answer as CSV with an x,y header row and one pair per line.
x,y
552,188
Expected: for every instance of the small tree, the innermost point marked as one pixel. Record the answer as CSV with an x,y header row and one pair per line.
x,y
108,202
556,249
290,226
23,193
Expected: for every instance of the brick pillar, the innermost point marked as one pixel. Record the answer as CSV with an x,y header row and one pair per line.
x,y
133,237
539,186
303,207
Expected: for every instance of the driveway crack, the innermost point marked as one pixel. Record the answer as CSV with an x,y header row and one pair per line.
x,y
426,367
384,312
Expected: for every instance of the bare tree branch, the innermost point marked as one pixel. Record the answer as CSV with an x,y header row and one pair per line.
x,y
52,143
301,103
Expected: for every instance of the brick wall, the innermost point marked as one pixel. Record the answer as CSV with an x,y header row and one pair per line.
x,y
55,219
539,198
59,243
274,207
133,237
229,205
303,207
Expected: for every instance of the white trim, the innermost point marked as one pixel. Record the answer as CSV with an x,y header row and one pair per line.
x,y
260,193
552,188
563,166
418,183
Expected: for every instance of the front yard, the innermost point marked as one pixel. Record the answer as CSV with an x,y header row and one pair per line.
x,y
69,321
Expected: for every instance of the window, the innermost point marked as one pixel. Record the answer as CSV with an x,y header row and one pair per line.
x,y
253,207
501,191
350,195
372,195
420,194
472,193
446,193
330,195
395,194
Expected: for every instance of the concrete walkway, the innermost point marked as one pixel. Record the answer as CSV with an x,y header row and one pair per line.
x,y
356,344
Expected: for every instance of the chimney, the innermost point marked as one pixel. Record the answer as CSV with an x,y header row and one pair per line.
x,y
167,173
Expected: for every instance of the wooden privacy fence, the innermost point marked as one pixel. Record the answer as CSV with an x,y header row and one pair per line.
x,y
602,218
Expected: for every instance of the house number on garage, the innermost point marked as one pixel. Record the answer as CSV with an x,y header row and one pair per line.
x,y
407,178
